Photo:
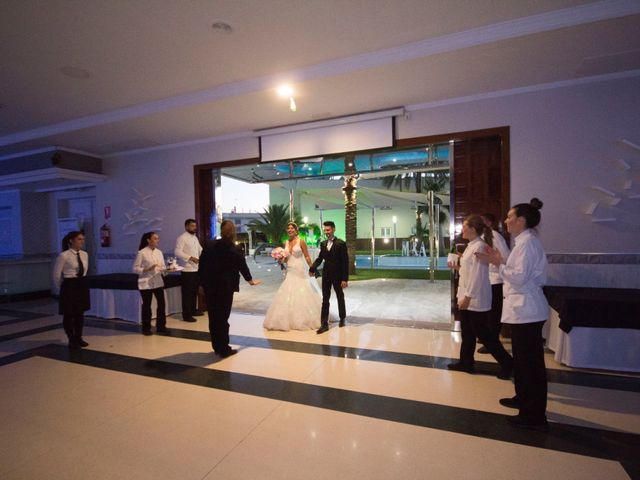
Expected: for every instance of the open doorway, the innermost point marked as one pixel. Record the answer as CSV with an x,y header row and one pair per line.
x,y
399,221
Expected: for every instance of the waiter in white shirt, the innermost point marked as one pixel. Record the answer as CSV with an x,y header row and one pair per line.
x,y
69,278
188,250
494,315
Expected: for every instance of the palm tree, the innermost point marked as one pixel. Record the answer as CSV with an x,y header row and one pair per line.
x,y
422,183
350,209
273,223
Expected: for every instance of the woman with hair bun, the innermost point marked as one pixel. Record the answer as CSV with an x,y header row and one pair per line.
x,y
526,309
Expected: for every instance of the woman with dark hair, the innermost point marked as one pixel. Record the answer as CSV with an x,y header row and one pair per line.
x,y
526,309
69,278
296,305
149,265
474,300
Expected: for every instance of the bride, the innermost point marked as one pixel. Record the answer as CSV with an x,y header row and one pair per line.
x,y
296,305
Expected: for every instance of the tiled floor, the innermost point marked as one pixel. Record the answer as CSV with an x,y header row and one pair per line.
x,y
365,401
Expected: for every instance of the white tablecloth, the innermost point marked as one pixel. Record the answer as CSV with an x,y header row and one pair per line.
x,y
125,304
601,348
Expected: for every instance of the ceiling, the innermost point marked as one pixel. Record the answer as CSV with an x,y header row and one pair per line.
x,y
118,76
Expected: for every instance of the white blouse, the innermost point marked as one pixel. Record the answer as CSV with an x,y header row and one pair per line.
x,y
145,259
67,266
474,278
524,275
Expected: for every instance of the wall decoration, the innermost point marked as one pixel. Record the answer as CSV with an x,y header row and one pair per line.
x,y
137,221
611,198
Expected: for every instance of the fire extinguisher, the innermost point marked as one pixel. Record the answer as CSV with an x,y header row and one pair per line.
x,y
105,236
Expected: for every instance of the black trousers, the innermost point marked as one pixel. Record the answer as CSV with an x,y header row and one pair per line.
x,y
73,325
219,301
189,291
74,301
161,316
530,374
327,284
495,314
474,325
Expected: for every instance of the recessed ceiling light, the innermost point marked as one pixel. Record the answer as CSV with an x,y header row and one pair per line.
x,y
221,27
75,72
285,91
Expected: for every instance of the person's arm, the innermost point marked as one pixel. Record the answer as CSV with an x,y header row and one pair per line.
x,y
500,243
305,252
57,272
318,261
179,250
244,269
344,254
521,263
203,266
137,264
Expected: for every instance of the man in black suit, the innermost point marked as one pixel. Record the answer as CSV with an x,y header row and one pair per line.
x,y
333,252
220,266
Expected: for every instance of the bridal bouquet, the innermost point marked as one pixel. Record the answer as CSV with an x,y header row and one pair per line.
x,y
280,254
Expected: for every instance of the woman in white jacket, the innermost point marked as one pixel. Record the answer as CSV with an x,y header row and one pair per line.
x,y
526,309
149,265
474,301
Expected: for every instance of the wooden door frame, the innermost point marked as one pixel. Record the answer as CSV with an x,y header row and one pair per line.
x,y
204,188
505,151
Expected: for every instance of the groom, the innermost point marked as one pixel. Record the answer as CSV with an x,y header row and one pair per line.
x,y
333,252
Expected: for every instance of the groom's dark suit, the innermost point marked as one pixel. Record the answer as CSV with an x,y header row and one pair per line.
x,y
335,271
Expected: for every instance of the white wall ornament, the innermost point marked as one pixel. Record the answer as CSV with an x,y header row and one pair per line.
x,y
611,198
137,220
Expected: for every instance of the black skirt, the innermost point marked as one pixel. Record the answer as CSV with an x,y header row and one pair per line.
x,y
74,296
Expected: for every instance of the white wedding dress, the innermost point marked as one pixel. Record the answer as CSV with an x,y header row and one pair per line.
x,y
297,303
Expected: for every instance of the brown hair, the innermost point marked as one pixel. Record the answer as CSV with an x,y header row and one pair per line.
x,y
228,230
477,223
530,211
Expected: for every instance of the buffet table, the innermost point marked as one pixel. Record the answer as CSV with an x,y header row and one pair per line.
x,y
116,295
595,327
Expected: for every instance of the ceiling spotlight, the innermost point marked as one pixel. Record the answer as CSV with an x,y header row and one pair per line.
x,y
285,91
222,27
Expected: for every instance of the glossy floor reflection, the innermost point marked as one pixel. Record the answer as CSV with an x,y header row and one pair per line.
x,y
364,401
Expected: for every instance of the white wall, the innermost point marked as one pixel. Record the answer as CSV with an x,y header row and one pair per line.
x,y
562,141
167,175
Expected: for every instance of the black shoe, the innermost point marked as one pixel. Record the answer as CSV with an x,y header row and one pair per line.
x,y
510,402
163,331
341,324
199,313
146,333
74,345
227,353
460,367
81,342
323,328
505,373
522,422
483,349
189,319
